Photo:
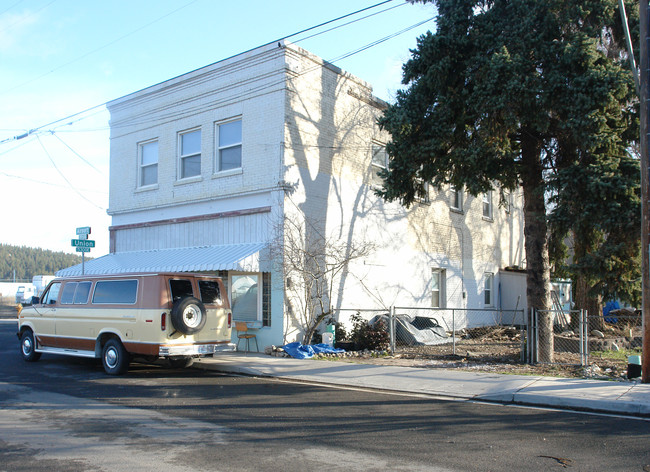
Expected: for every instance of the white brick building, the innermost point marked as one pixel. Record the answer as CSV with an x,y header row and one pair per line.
x,y
218,156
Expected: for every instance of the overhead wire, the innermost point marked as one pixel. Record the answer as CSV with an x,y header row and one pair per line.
x,y
250,91
21,19
64,177
12,6
83,56
76,153
43,182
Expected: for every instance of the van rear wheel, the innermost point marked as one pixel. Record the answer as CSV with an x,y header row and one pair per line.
x,y
28,346
115,359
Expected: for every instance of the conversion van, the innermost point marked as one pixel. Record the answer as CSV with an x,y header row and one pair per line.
x,y
175,316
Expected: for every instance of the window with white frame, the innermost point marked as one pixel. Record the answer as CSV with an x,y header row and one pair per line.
x,y
379,163
189,143
488,289
487,204
438,288
456,199
148,163
228,136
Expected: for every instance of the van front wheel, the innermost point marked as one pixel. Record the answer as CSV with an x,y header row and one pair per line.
x,y
28,346
115,359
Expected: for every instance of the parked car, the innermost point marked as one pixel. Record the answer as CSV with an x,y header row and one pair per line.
x,y
24,294
175,316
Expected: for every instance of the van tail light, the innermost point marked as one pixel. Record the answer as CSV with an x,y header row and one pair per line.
x,y
230,319
163,322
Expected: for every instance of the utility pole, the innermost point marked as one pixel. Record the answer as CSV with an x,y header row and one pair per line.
x,y
645,177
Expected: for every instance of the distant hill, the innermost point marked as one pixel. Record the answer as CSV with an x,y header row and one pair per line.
x,y
28,262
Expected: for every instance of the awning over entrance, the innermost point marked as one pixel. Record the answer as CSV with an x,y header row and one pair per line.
x,y
239,257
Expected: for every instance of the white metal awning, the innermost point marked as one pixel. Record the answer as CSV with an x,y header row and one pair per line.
x,y
239,257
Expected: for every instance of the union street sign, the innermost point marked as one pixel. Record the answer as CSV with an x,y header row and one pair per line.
x,y
85,243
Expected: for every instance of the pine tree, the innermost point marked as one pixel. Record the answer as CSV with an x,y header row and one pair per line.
x,y
506,93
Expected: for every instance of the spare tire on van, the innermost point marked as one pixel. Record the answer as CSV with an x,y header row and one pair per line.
x,y
188,315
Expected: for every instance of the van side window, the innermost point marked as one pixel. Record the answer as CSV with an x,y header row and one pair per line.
x,y
180,289
116,291
49,298
67,295
210,293
82,292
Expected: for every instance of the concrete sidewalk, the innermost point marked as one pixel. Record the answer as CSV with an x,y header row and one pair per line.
x,y
624,398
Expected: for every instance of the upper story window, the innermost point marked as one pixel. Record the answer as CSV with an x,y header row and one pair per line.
x,y
487,204
229,142
189,154
148,159
456,199
379,162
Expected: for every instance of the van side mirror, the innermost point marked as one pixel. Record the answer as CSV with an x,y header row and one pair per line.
x,y
36,300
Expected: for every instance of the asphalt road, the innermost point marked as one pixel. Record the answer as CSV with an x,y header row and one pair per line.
x,y
65,414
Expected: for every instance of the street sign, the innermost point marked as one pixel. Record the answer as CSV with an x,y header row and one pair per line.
x,y
86,243
82,249
83,230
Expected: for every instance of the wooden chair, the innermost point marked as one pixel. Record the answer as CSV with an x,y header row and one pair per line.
x,y
242,333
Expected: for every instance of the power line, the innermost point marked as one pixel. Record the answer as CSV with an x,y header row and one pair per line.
x,y
20,20
42,182
76,153
65,178
83,56
363,48
9,8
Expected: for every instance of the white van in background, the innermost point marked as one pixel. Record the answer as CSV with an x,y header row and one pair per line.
x,y
40,282
24,294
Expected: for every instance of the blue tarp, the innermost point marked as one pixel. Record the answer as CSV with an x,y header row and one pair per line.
x,y
299,351
609,306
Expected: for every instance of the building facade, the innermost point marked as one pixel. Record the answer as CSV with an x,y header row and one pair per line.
x,y
207,168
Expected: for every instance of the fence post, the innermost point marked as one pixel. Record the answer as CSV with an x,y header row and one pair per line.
x,y
581,329
391,328
453,330
585,324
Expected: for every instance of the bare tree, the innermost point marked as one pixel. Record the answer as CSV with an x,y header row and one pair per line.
x,y
313,264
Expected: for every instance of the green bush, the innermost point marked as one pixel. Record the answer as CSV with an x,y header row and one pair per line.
x,y
365,336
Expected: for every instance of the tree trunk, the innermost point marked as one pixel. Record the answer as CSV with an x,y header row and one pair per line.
x,y
538,276
593,305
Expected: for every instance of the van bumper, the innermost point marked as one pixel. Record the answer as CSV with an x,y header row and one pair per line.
x,y
169,350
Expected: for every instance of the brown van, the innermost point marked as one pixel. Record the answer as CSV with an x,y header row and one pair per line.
x,y
176,316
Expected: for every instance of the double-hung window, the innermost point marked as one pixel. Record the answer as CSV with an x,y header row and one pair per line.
x,y
488,289
148,159
487,205
456,199
379,163
438,288
189,154
229,145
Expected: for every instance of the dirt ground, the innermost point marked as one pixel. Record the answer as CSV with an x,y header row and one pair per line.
x,y
498,350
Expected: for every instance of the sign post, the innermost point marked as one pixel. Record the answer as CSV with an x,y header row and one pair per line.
x,y
83,245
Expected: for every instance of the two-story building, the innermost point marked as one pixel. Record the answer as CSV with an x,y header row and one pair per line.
x,y
206,168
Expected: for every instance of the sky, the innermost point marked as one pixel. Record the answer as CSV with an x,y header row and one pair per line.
x,y
61,60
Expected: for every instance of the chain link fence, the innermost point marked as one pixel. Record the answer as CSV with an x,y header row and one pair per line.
x,y
614,337
491,335
487,334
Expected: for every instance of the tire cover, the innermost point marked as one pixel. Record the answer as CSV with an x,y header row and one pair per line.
x,y
188,315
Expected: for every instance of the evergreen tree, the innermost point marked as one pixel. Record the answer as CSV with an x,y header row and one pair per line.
x,y
506,93
28,262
